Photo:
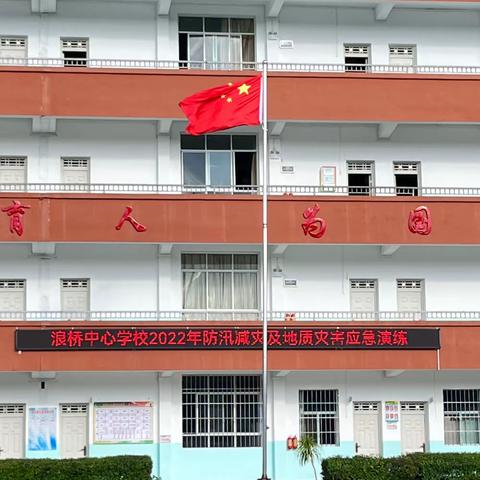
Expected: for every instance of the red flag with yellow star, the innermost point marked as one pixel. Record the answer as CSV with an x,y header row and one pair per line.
x,y
223,107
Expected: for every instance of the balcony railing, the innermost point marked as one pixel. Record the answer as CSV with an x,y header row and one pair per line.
x,y
313,190
238,315
229,66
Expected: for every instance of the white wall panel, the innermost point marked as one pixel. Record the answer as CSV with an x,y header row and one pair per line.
x,y
128,152
124,277
319,33
352,386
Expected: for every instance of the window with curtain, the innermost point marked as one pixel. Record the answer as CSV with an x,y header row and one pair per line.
x,y
217,161
461,415
221,411
216,42
319,416
220,285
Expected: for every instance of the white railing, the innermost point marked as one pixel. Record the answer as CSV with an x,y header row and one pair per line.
x,y
148,188
230,66
238,315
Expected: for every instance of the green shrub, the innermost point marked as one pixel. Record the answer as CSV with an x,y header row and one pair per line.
x,y
416,466
446,466
125,467
356,468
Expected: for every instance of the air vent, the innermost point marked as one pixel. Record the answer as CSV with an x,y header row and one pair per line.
x,y
363,284
409,284
75,283
356,50
403,167
402,50
13,42
366,406
12,409
75,163
12,284
74,45
359,167
12,162
74,408
412,406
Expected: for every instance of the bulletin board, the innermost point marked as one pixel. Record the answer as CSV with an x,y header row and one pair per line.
x,y
123,422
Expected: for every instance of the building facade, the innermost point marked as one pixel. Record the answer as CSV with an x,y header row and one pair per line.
x,y
131,259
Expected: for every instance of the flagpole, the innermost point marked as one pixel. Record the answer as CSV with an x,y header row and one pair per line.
x,y
265,291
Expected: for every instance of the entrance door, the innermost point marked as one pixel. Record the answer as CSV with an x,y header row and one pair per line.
x,y
366,428
73,430
12,428
413,427
363,298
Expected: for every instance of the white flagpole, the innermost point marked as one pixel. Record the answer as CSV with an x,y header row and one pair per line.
x,y
265,291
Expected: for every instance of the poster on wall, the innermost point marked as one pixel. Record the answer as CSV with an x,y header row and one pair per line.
x,y
328,176
42,429
123,422
392,414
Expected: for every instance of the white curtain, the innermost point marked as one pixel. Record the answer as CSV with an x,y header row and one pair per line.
x,y
220,290
194,290
236,49
216,49
246,295
469,430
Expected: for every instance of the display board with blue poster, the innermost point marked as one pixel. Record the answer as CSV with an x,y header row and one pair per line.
x,y
42,429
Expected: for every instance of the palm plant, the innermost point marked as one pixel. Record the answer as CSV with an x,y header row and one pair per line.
x,y
308,451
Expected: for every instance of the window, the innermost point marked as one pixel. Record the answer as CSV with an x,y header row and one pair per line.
x,y
204,42
12,295
217,285
407,179
319,416
357,57
13,170
75,296
360,178
75,170
410,296
403,55
461,415
13,48
75,52
363,296
219,161
221,411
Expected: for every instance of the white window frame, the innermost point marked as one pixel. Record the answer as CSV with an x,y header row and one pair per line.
x,y
365,167
412,281
75,159
64,288
16,158
407,168
201,400
354,50
206,151
365,280
224,313
12,282
9,59
395,52
458,397
202,64
72,62
319,413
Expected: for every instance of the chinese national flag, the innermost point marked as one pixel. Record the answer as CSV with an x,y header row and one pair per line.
x,y
224,107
